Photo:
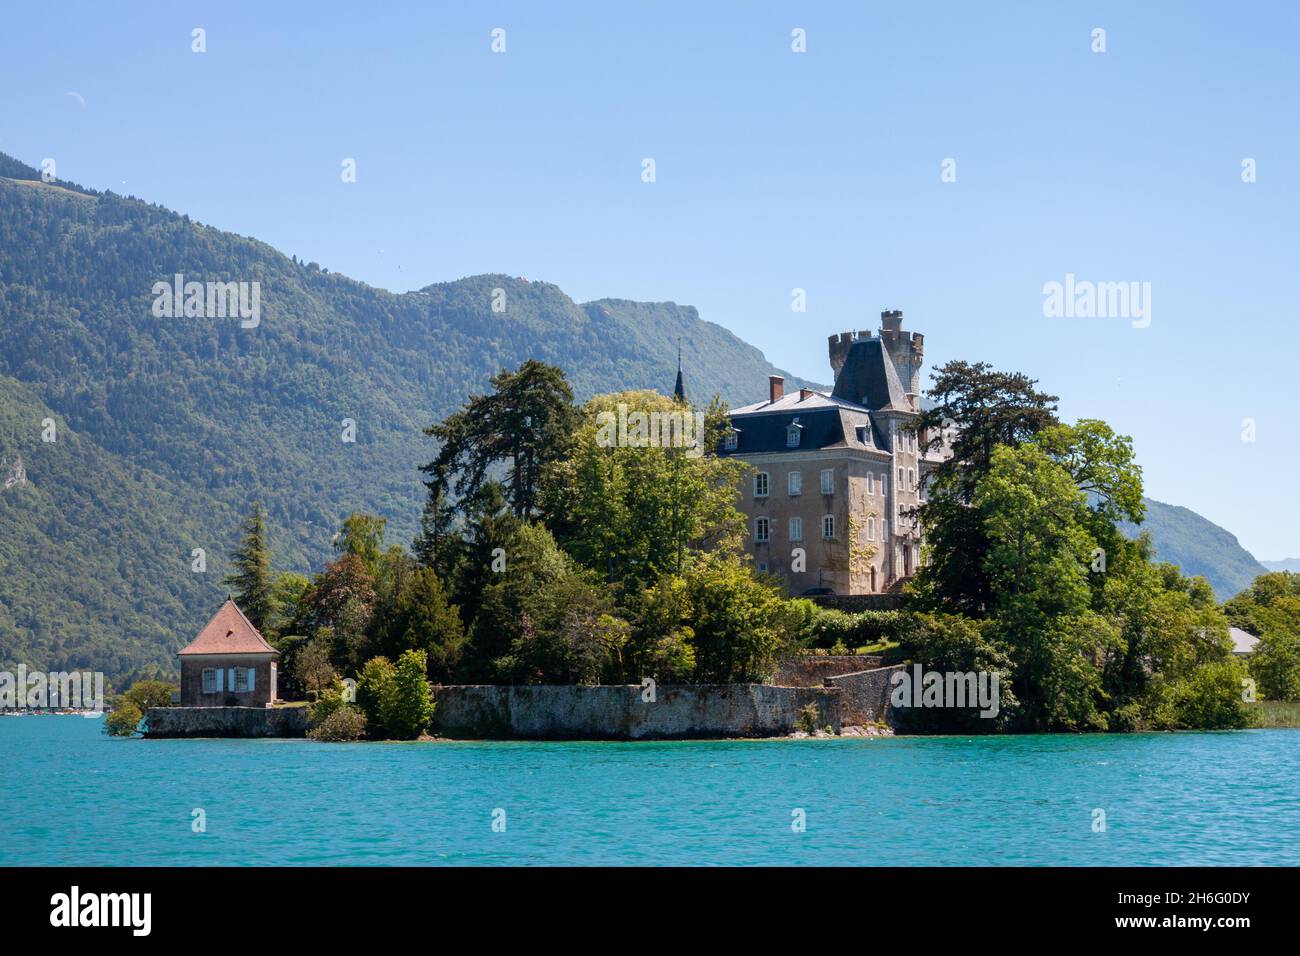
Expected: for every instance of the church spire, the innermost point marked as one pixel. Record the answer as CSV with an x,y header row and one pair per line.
x,y
679,390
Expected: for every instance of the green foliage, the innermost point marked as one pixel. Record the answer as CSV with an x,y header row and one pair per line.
x,y
827,627
634,513
250,575
148,694
374,689
1275,665
739,622
948,643
344,724
407,703
124,720
524,424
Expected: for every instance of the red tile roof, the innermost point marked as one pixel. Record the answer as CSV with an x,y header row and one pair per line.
x,y
229,632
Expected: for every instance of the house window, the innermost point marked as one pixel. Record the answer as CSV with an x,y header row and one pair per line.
x,y
828,481
210,685
762,529
792,434
794,482
871,529
911,478
760,485
871,483
730,441
796,529
828,526
762,567
241,680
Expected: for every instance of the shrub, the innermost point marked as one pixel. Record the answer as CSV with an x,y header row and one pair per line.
x,y
808,718
396,700
124,721
344,723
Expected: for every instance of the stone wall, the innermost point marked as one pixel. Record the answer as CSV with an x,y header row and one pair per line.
x,y
811,670
864,695
226,722
617,712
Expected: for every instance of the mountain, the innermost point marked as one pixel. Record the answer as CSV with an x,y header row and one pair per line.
x,y
167,429
1198,546
1286,564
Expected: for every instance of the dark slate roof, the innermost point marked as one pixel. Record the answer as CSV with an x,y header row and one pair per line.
x,y
826,422
868,378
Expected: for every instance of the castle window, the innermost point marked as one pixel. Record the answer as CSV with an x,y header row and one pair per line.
x,y
871,529
828,526
871,483
828,481
884,529
794,482
731,441
911,478
884,483
796,529
792,434
900,486
760,485
762,530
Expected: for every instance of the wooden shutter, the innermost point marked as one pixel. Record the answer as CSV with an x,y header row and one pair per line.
x,y
252,678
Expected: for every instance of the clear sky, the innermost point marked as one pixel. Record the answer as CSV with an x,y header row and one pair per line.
x,y
775,170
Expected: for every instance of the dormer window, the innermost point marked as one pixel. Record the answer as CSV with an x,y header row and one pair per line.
x,y
792,434
731,440
864,434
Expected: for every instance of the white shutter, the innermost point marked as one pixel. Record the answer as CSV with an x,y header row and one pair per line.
x,y
252,675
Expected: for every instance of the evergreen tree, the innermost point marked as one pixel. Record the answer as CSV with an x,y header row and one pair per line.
x,y
250,580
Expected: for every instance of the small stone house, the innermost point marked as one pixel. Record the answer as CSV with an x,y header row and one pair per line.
x,y
229,664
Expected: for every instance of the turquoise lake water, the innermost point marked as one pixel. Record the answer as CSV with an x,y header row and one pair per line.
x,y
71,796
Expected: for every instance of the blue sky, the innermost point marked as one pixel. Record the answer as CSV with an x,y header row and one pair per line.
x,y
774,171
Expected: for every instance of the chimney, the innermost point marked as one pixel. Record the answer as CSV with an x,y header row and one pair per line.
x,y
775,387
805,394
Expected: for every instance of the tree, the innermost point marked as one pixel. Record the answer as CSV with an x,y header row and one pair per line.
x,y
250,579
124,720
362,535
148,694
634,513
738,621
975,410
408,703
524,424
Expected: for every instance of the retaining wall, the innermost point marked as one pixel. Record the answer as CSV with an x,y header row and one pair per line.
x,y
226,722
864,695
617,712
811,670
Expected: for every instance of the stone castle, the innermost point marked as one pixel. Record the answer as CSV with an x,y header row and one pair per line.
x,y
835,474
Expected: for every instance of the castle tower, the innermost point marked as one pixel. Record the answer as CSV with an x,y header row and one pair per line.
x,y
907,351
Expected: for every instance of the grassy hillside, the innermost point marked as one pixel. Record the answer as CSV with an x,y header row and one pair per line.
x,y
175,425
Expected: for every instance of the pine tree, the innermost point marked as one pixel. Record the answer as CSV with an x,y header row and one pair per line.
x,y
250,580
